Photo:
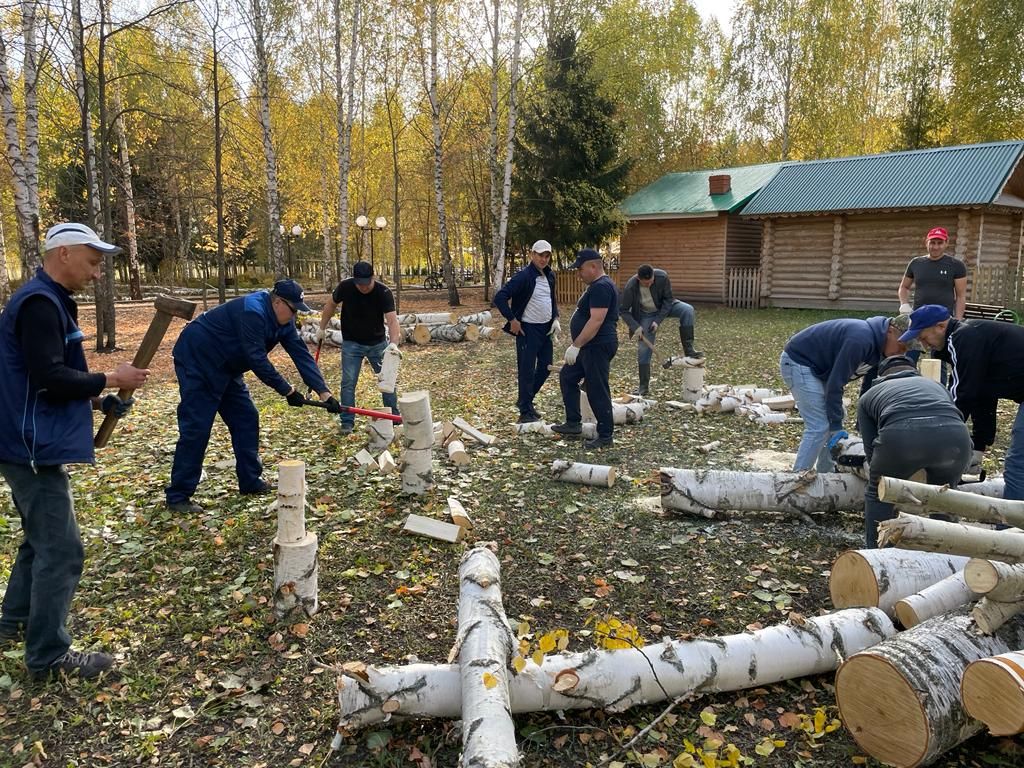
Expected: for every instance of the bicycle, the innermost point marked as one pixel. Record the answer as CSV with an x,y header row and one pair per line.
x,y
433,282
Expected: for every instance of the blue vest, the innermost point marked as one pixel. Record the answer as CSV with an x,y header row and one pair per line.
x,y
35,429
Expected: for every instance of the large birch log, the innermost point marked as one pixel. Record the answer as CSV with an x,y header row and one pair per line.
x,y
991,614
708,493
922,533
418,334
424,334
900,699
296,564
996,580
926,499
618,679
387,379
484,644
428,318
629,413
477,318
941,597
416,460
992,691
880,578
583,474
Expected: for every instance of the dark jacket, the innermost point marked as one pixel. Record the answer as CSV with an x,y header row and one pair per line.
x,y
512,298
903,398
988,365
228,340
837,351
35,429
629,299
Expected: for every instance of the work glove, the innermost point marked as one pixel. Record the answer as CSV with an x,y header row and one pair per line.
x,y
333,406
556,330
392,347
974,468
320,334
571,354
834,446
654,327
114,404
635,335
906,309
295,399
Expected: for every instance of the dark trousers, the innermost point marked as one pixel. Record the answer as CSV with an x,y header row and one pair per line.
x,y
199,405
48,564
941,448
533,356
592,366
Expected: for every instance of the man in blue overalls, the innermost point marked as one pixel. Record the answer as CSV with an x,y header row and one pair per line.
x,y
210,358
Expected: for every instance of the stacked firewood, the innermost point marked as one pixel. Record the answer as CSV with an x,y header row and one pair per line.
x,y
759,404
418,329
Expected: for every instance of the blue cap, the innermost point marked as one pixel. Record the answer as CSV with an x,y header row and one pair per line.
x,y
587,254
925,317
291,292
362,272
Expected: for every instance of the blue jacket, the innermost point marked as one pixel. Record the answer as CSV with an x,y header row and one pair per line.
x,y
230,339
519,290
837,351
35,429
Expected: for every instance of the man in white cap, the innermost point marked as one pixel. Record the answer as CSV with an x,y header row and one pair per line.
x,y
527,302
47,396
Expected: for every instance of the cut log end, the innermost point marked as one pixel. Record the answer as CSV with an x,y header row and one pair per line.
x,y
992,692
853,582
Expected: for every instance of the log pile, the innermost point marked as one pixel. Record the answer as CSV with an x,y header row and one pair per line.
x,y
419,329
759,404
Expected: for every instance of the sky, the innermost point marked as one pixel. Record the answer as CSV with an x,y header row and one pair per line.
x,y
720,9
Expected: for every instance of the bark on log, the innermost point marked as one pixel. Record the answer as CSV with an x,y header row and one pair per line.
x,y
381,434
583,474
991,614
618,679
900,699
630,413
291,501
921,498
457,453
992,691
708,493
485,651
387,379
996,580
942,597
882,577
428,318
417,334
295,550
922,533
416,461
424,334
477,318
487,331
693,384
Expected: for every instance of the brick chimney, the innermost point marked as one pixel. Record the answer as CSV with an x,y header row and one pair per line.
x,y
719,184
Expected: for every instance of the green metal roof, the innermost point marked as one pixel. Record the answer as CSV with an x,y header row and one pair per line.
x,y
686,194
925,178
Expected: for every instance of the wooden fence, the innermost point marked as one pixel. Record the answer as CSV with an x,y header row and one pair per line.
x,y
998,284
744,288
569,287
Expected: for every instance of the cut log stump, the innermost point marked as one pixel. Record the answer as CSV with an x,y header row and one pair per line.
x,y
416,462
296,561
992,691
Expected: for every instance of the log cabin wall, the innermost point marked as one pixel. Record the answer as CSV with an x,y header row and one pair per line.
x,y
799,251
692,251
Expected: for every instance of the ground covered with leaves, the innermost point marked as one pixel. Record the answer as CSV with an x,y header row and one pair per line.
x,y
208,678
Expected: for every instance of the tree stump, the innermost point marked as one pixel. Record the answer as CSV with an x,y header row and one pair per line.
x,y
296,564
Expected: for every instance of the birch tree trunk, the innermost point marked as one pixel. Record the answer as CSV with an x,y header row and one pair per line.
x,y
510,136
882,577
105,305
134,278
924,499
218,159
497,256
5,278
346,115
941,597
275,246
999,581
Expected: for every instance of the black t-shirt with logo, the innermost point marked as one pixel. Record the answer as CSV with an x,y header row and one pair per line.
x,y
933,280
362,314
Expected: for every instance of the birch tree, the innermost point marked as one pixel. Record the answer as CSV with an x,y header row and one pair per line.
x,y
346,89
5,278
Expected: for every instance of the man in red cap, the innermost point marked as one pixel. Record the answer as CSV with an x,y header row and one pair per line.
x,y
935,277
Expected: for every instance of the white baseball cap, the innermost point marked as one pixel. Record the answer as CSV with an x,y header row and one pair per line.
x,y
76,234
541,246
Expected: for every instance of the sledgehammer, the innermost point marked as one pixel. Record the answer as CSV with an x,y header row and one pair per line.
x,y
358,411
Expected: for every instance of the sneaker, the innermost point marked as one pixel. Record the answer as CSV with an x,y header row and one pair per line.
x,y
11,635
86,665
567,429
526,418
186,507
597,442
263,489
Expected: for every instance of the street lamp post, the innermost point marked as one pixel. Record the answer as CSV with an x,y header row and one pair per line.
x,y
295,232
363,222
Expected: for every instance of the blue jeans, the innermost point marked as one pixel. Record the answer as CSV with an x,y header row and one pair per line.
x,y
352,354
48,564
1013,465
533,356
592,367
680,310
809,393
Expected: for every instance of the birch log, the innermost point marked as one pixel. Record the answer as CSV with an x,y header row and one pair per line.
x,y
586,412
381,433
417,334
618,679
296,564
991,614
457,453
428,318
693,383
941,597
900,700
477,318
484,645
629,413
387,379
922,533
708,493
992,691
880,578
486,331
996,580
416,460
455,333
926,499
583,474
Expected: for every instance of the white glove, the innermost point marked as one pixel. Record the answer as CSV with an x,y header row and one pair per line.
x,y
974,468
320,333
556,329
654,327
906,309
392,347
571,354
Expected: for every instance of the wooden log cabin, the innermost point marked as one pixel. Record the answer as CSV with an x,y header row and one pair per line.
x,y
839,233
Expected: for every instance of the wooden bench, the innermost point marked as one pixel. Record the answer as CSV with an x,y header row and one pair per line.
x,y
989,312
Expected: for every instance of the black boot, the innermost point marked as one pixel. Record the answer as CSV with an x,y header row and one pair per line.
x,y
686,339
645,379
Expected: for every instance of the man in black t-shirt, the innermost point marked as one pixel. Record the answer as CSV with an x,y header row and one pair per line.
x,y
366,305
935,277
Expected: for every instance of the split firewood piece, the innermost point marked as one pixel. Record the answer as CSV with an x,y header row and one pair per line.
x,y
618,679
880,578
458,514
366,460
583,474
529,427
930,368
484,643
386,463
381,433
417,334
431,528
709,493
709,447
587,415
942,597
922,533
679,405
387,379
416,462
780,403
630,413
927,499
995,580
296,565
467,429
900,700
448,432
457,453
992,691
991,614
